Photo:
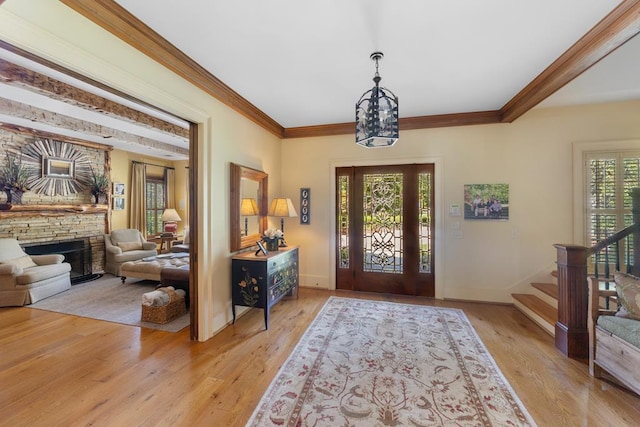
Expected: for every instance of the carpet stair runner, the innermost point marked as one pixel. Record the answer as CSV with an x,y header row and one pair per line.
x,y
541,306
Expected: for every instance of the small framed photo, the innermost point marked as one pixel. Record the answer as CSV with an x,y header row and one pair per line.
x,y
118,203
118,189
261,248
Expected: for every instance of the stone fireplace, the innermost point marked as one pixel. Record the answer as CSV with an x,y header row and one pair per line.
x,y
77,252
32,228
58,207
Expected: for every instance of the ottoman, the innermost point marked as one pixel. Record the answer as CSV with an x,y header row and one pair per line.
x,y
178,277
151,269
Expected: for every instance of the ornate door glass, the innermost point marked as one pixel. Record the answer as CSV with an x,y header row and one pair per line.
x,y
382,224
425,214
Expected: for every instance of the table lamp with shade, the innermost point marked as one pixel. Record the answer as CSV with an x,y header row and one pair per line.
x,y
248,207
282,207
170,218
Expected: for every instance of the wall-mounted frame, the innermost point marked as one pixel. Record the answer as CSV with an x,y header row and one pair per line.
x,y
486,201
55,167
118,203
305,206
242,176
118,189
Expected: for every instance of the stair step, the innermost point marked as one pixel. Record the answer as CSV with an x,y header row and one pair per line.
x,y
550,289
537,310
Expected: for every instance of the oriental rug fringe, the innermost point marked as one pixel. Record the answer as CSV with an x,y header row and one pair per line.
x,y
372,363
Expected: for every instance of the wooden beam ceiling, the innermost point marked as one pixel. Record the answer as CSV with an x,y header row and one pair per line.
x,y
33,114
614,30
17,76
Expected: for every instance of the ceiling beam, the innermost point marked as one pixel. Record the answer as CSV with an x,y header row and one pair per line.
x,y
23,78
407,123
27,112
119,22
35,133
615,29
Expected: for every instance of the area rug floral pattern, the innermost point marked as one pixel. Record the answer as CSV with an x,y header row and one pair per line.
x,y
371,363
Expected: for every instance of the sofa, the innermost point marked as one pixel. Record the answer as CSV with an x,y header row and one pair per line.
x,y
125,245
614,331
25,279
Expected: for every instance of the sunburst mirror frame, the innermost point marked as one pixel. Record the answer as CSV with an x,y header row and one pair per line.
x,y
39,155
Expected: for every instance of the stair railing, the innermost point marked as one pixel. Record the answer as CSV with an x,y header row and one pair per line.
x,y
571,333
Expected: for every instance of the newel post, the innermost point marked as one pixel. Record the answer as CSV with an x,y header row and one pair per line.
x,y
572,336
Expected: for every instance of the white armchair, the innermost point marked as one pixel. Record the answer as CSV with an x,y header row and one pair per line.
x,y
125,245
25,279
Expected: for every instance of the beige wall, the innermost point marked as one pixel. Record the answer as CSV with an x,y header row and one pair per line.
x,y
121,172
474,260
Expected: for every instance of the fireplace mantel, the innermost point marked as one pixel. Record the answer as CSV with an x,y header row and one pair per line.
x,y
9,210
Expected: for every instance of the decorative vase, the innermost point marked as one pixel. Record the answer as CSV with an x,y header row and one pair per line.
x,y
8,193
271,244
15,197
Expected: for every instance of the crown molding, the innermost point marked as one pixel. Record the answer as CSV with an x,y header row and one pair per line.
x,y
122,24
610,33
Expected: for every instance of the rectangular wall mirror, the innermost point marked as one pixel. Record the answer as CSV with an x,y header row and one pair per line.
x,y
55,167
248,206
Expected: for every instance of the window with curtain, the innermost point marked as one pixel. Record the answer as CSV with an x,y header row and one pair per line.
x,y
155,203
610,177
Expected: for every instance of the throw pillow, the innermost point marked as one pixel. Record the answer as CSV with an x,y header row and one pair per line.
x,y
130,246
23,262
628,291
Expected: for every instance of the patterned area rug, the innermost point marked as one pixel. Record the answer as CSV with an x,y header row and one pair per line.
x,y
107,298
371,363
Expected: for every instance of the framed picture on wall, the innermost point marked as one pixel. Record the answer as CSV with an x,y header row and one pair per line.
x,y
118,189
118,203
486,201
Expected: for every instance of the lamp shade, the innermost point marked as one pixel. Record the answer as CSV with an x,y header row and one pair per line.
x,y
282,208
170,215
248,207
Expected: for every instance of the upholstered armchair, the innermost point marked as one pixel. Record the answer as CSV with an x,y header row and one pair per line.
x,y
125,245
25,279
181,246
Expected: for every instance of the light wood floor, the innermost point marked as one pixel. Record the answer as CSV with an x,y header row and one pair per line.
x,y
61,370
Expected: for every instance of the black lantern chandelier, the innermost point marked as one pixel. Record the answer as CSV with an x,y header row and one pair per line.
x,y
377,114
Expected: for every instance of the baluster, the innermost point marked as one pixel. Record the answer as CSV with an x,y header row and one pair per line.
x,y
606,275
606,262
627,257
618,255
596,257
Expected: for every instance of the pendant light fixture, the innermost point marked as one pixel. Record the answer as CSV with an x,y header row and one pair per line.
x,y
377,114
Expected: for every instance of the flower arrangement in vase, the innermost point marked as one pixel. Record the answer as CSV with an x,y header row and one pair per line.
x,y
99,184
13,178
272,238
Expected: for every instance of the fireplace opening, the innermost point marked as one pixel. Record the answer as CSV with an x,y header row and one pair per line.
x,y
77,252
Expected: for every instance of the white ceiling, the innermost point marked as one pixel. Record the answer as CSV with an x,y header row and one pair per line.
x,y
307,63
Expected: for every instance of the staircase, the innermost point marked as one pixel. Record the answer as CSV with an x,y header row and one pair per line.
x,y
541,305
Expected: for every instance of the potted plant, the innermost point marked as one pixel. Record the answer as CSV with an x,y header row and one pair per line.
x,y
13,178
98,185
